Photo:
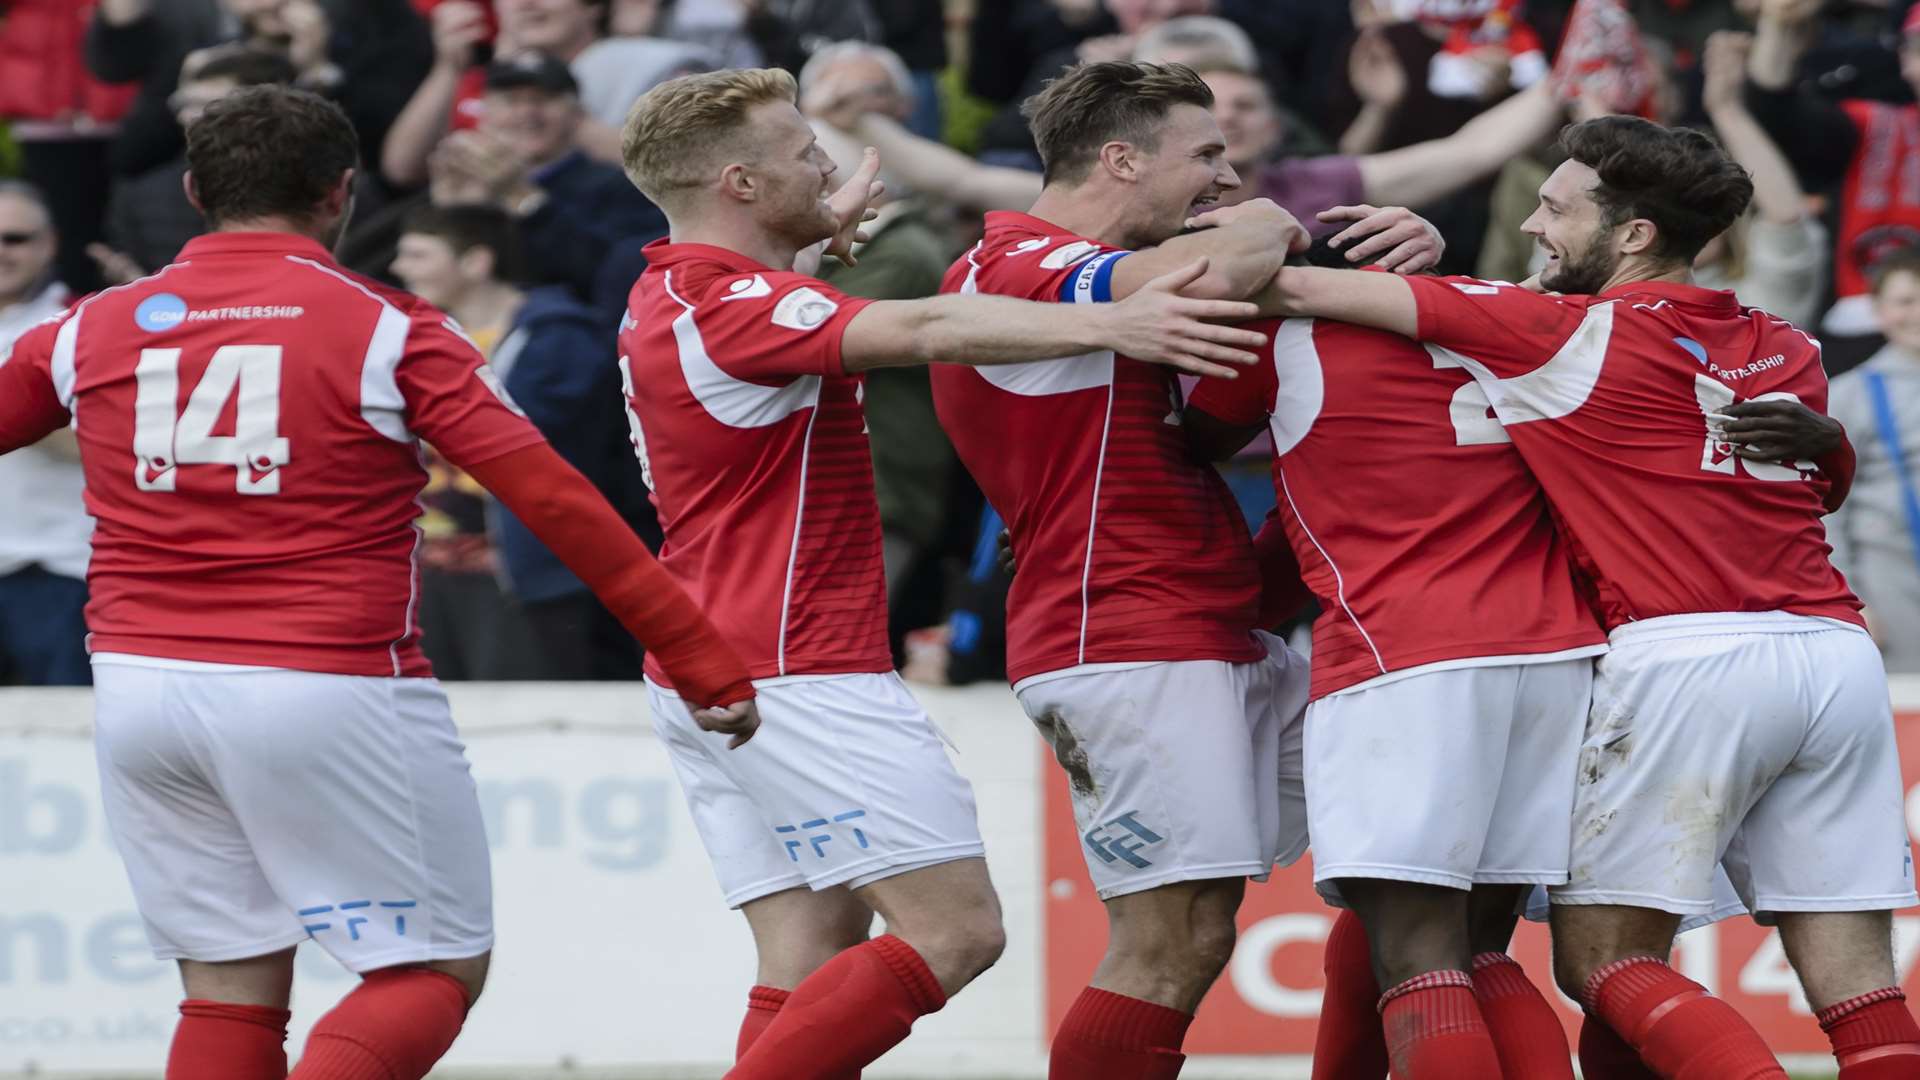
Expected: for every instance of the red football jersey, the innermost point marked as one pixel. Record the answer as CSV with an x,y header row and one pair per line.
x,y
248,420
1416,524
1613,399
1130,551
753,441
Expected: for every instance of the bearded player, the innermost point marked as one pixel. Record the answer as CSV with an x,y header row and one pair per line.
x,y
1131,640
277,762
743,383
1741,712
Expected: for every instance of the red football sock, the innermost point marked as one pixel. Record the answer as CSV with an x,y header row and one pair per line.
x,y
1108,1036
763,1004
1681,1031
859,1005
219,1041
1604,1055
1435,1030
394,1027
1874,1036
1525,1029
1349,1043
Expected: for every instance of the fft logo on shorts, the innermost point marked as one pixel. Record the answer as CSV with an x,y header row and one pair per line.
x,y
819,840
1121,839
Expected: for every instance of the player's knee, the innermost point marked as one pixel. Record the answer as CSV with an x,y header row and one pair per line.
x,y
1209,947
1570,974
470,972
963,945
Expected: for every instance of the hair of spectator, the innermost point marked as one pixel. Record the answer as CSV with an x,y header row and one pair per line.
x,y
269,151
1091,105
1901,260
828,55
1677,178
468,226
246,66
27,191
1204,42
676,130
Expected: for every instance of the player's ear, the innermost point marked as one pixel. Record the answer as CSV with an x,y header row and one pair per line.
x,y
193,192
738,181
1120,161
1640,238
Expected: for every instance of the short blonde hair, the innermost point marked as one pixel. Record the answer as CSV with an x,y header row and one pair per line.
x,y
675,130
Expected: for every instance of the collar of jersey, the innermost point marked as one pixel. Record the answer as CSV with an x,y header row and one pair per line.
x,y
252,243
664,253
1674,292
1014,219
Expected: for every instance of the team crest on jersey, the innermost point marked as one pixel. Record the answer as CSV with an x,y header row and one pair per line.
x,y
803,309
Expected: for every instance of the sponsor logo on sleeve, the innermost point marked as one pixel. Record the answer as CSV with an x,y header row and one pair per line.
x,y
1063,257
161,311
803,309
748,289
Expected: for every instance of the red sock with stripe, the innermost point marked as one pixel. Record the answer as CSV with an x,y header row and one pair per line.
x,y
220,1041
1526,1032
1680,1031
1435,1030
1604,1055
394,1027
859,1005
1349,1044
1874,1036
1109,1036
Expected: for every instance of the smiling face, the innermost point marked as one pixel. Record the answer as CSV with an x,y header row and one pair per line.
x,y
538,124
1573,230
792,176
1184,174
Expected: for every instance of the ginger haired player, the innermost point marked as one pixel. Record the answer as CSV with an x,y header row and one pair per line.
x,y
1741,713
743,384
277,761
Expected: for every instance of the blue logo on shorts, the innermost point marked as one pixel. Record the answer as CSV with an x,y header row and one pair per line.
x,y
350,912
1121,839
161,311
818,841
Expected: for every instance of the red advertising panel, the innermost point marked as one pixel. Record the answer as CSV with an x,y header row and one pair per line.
x,y
1269,999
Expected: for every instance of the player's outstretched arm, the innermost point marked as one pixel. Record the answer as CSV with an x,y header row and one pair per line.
x,y
1243,245
30,408
1158,324
569,516
1382,301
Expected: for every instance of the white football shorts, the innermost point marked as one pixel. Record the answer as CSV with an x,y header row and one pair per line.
x,y
258,807
1180,771
1764,739
847,782
1449,778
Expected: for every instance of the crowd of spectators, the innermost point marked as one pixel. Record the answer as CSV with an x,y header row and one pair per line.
x,y
490,185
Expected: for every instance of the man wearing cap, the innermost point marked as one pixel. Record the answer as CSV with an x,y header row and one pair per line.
x,y
581,222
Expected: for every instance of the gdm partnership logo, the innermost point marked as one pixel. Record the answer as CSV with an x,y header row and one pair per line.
x,y
161,311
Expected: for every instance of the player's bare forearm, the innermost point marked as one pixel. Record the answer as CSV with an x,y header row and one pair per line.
x,y
1382,301
1243,245
572,519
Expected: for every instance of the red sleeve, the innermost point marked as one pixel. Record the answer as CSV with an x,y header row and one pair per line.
x,y
1282,591
1838,468
1067,271
1245,401
453,399
30,408
773,326
577,525
1506,329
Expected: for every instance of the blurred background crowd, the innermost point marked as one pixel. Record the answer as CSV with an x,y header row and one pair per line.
x,y
490,186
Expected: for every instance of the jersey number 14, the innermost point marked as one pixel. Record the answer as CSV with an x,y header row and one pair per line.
x,y
248,376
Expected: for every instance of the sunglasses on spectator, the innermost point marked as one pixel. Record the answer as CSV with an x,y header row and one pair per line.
x,y
15,239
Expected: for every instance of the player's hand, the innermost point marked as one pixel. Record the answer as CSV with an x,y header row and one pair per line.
x,y
1007,562
852,206
459,26
1160,326
740,720
1256,213
1780,431
1395,238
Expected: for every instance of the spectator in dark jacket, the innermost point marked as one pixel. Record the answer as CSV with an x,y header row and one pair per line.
x,y
554,355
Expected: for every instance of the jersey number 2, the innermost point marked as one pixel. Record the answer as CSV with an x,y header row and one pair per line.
x,y
1472,413
247,375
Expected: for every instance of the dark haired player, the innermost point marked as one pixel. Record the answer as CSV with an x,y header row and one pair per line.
x,y
277,761
1742,712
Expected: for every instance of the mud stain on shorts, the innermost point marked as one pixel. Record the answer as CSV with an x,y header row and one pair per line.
x,y
1069,753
